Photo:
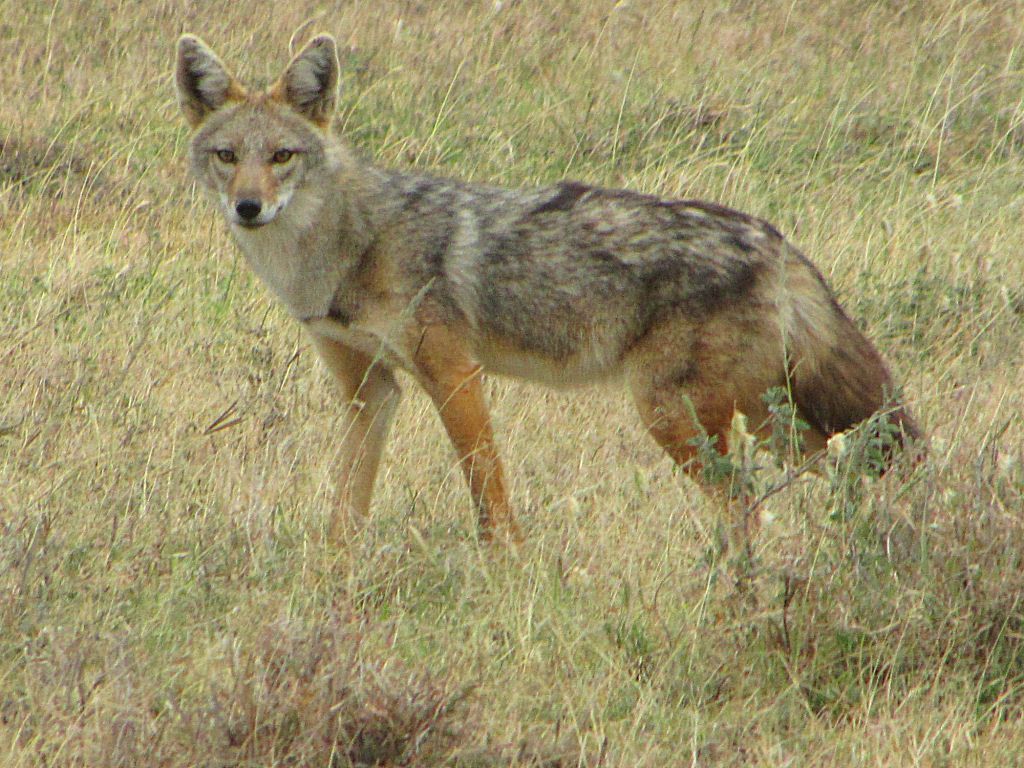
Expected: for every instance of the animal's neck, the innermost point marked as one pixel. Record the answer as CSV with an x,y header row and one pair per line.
x,y
345,217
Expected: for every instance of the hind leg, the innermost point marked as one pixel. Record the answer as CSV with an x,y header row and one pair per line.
x,y
681,421
688,381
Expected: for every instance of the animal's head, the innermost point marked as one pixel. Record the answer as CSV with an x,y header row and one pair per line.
x,y
255,150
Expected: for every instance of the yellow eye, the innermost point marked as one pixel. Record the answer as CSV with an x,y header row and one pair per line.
x,y
282,156
226,156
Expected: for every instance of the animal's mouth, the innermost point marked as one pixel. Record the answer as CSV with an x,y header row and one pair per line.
x,y
250,224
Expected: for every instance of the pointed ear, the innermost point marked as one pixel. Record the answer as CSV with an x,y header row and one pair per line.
x,y
204,83
310,83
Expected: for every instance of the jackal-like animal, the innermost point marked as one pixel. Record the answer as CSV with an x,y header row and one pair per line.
x,y
699,308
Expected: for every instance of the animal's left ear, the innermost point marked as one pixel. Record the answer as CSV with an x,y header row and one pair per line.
x,y
310,83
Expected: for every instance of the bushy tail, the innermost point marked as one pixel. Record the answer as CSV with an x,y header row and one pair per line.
x,y
837,376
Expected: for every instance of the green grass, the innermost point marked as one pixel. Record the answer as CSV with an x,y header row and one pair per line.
x,y
166,452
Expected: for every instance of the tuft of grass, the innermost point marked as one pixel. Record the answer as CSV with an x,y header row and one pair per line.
x,y
287,696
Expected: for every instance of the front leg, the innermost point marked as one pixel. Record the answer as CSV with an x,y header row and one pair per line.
x,y
452,379
371,396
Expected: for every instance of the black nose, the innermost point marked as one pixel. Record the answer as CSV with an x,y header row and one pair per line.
x,y
248,209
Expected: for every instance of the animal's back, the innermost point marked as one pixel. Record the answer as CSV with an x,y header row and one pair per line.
x,y
567,284
564,281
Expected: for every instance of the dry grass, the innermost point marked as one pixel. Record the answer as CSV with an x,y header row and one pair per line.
x,y
165,433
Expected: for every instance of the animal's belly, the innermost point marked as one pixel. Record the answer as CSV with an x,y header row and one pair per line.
x,y
573,370
589,365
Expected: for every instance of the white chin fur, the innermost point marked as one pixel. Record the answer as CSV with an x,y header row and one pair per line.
x,y
265,217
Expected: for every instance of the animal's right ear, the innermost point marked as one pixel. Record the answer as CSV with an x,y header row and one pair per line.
x,y
204,83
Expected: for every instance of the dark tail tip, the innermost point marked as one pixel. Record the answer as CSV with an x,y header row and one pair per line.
x,y
888,439
854,393
907,441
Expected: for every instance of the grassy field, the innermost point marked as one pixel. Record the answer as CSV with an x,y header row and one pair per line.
x,y
166,434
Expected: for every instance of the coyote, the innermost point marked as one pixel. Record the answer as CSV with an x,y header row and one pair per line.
x,y
699,308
